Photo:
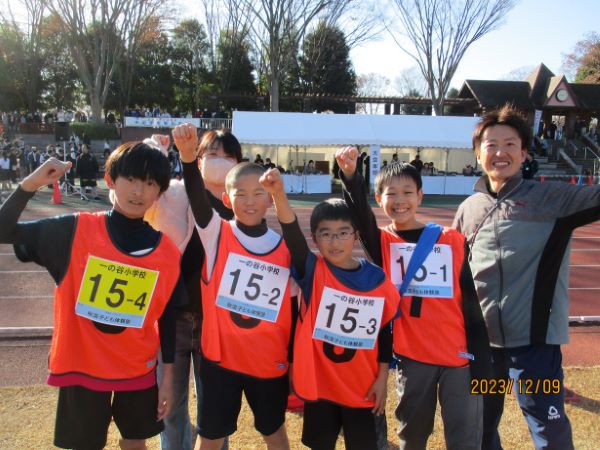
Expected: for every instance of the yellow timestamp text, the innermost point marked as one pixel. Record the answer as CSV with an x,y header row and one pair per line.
x,y
505,386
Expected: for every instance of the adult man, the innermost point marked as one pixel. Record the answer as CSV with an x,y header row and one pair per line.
x,y
519,232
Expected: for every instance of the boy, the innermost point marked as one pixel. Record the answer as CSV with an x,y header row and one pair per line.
x,y
343,343
115,280
247,310
440,338
218,152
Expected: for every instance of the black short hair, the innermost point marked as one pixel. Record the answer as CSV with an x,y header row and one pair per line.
x,y
240,170
331,209
231,146
396,170
509,116
139,160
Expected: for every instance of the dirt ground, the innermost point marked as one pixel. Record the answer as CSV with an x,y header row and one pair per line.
x,y
27,418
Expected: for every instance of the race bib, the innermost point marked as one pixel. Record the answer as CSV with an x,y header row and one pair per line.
x,y
433,279
348,320
252,287
114,293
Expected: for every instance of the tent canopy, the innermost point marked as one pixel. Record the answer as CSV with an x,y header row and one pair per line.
x,y
276,128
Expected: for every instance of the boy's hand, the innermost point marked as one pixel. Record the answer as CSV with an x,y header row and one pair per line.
x,y
272,182
379,390
186,140
49,172
162,140
346,158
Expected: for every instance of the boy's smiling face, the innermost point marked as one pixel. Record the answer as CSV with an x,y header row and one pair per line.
x,y
248,199
399,200
133,196
335,240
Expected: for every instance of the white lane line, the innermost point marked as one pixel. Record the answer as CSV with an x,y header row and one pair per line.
x,y
23,271
15,297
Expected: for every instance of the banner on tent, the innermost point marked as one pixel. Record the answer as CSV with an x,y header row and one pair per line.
x,y
375,162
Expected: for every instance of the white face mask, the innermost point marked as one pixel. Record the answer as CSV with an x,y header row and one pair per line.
x,y
214,170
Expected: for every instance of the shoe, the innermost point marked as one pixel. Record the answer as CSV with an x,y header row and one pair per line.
x,y
96,198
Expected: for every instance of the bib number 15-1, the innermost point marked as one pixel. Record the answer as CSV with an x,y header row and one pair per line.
x,y
434,278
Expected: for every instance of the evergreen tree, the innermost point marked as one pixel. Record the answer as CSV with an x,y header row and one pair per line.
x,y
325,67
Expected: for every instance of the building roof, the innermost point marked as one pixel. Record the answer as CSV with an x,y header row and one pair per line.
x,y
536,92
491,94
538,81
588,95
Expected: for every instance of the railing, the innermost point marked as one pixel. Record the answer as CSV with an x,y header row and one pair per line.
x,y
215,124
569,161
35,128
171,122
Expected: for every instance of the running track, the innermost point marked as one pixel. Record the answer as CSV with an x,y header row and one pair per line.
x,y
26,291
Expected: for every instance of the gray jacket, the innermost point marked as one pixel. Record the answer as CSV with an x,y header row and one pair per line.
x,y
520,249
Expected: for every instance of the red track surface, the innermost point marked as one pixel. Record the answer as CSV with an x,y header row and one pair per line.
x,y
26,290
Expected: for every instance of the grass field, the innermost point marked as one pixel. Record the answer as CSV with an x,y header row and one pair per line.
x,y
27,418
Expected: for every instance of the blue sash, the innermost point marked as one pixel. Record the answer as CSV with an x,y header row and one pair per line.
x,y
425,244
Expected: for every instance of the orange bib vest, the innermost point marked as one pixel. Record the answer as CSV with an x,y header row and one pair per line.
x,y
324,371
237,342
438,335
78,346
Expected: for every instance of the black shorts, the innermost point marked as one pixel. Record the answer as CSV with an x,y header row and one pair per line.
x,y
323,421
222,400
83,416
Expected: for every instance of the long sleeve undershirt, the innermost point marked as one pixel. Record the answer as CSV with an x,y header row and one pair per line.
x,y
204,217
362,279
355,196
48,242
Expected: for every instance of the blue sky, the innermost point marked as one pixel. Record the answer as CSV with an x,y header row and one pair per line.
x,y
534,31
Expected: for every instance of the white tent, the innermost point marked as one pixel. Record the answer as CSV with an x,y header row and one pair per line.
x,y
306,130
267,128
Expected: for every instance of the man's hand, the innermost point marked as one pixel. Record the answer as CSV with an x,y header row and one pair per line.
x,y
346,158
272,182
186,140
50,171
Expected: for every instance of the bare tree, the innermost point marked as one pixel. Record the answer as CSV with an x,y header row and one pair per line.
x,y
518,73
410,80
99,33
371,85
439,33
277,27
360,20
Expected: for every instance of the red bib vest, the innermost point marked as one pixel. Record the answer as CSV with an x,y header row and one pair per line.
x,y
238,342
78,346
324,371
438,335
